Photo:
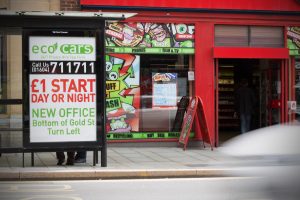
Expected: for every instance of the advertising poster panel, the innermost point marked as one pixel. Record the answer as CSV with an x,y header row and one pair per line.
x,y
122,93
62,89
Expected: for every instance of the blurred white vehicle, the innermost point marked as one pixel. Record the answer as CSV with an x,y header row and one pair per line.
x,y
277,140
271,153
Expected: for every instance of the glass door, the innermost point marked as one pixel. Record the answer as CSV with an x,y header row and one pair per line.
x,y
270,94
297,88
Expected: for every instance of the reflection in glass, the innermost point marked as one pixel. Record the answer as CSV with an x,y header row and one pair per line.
x,y
297,88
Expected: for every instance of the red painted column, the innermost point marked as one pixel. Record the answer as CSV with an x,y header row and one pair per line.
x,y
204,73
292,70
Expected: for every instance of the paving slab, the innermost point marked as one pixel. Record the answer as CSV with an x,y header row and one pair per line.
x,y
123,162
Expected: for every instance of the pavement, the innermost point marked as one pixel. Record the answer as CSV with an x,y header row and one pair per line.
x,y
122,162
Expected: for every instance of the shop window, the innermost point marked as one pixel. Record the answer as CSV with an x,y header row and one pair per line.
x,y
11,134
10,79
147,67
2,72
11,64
159,97
142,92
249,36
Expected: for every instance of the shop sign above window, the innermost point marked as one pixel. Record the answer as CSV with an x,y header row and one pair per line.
x,y
293,35
149,38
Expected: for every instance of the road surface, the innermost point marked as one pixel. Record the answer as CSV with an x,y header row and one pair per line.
x,y
138,189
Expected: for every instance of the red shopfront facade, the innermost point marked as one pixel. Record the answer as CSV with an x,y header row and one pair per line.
x,y
221,43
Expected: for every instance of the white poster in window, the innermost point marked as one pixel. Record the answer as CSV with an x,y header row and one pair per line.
x,y
191,75
164,89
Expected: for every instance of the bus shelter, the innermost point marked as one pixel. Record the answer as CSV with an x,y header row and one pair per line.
x,y
53,82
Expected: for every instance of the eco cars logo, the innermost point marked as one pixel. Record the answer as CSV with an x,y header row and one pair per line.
x,y
64,49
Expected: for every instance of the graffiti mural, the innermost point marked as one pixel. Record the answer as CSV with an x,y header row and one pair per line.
x,y
122,92
152,38
293,36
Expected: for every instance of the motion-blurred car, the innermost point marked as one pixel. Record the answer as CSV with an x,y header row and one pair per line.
x,y
272,154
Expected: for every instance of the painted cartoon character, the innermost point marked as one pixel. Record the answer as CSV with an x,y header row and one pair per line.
x,y
118,124
128,32
158,33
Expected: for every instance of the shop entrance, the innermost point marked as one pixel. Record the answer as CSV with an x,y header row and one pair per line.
x,y
263,77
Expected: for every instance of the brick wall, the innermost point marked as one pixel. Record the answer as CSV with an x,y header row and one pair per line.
x,y
70,5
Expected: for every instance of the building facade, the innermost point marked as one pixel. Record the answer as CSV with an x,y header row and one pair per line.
x,y
174,50
209,46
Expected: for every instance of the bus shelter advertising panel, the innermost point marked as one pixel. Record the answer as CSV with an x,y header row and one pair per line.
x,y
62,89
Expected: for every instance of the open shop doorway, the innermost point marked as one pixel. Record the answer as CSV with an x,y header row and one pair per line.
x,y
263,77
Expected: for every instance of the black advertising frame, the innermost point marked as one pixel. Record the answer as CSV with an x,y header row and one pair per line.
x,y
57,145
100,143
